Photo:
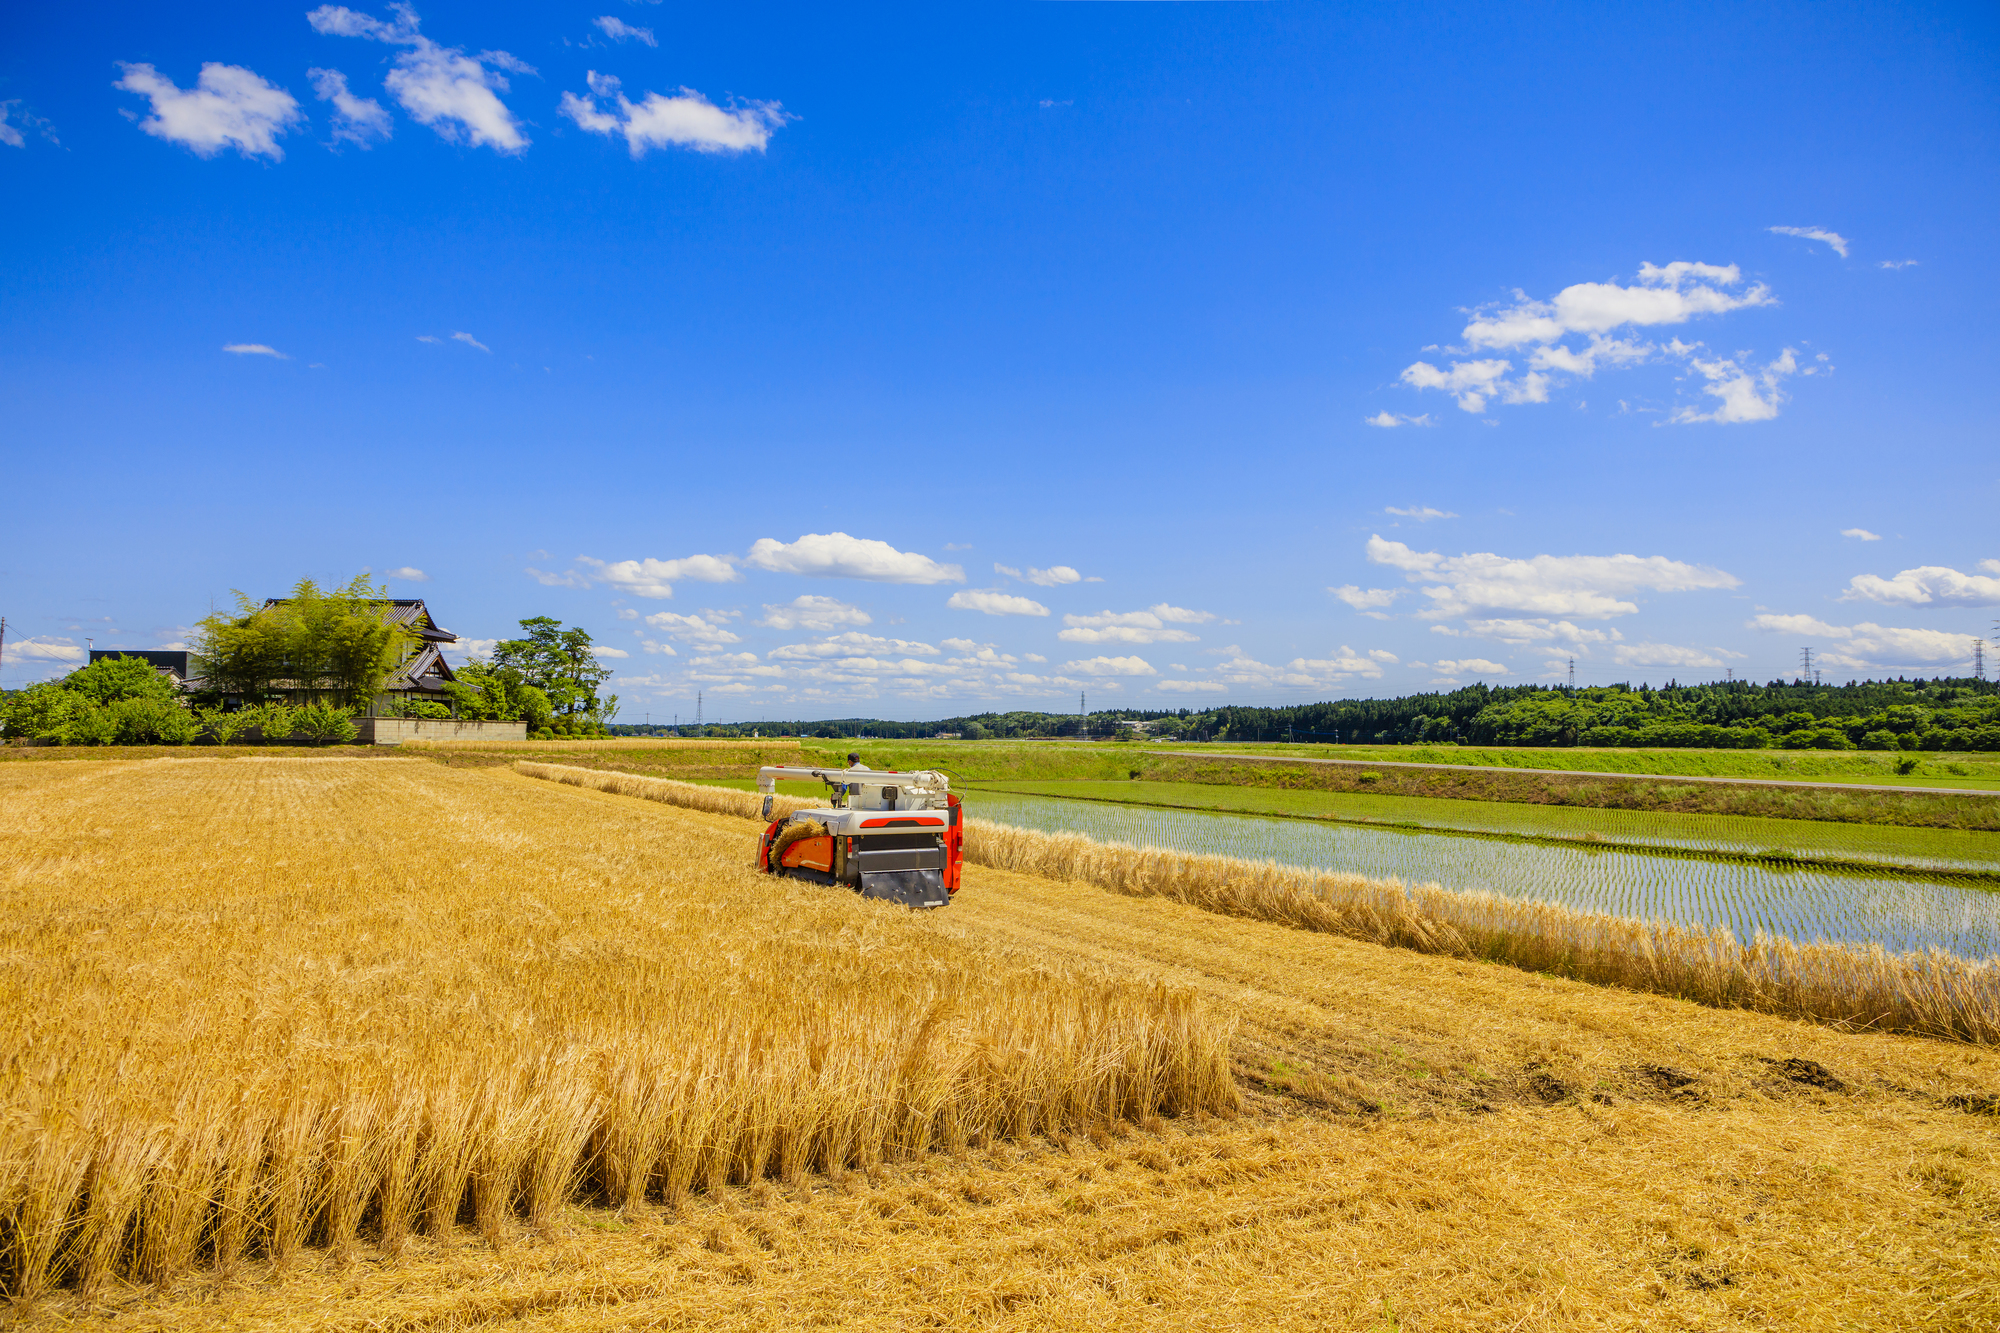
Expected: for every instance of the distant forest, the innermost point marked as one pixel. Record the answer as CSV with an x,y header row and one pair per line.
x,y
1957,714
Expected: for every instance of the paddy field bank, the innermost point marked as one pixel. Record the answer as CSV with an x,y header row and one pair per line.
x,y
434,1041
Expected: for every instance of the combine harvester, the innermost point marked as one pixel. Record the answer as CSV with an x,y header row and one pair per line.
x,y
895,836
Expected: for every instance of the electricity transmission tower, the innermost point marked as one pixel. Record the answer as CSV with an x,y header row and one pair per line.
x,y
1805,663
1979,659
1572,673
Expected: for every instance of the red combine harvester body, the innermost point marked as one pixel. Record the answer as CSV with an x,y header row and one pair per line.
x,y
889,835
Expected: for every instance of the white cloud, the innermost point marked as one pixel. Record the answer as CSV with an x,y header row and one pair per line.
x,y
1052,577
1739,389
1111,666
1421,513
687,120
439,86
600,650
839,556
1898,263
811,612
1468,666
1665,654
852,644
471,341
567,579
254,349
1861,533
1149,626
1530,630
1832,238
1367,600
355,119
46,649
1473,381
1034,657
1669,294
655,578
1871,645
1389,421
408,574
995,603
8,134
1592,587
1926,585
1191,687
620,31
707,632
1239,668
229,107
472,647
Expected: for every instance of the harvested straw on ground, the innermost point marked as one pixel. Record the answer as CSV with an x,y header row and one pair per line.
x,y
254,1007
1934,993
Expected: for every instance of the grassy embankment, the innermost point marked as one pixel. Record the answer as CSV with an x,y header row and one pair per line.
x,y
1430,1143
256,1006
1939,769
1936,994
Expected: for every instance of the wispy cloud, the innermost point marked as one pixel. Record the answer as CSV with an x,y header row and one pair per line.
x,y
1390,420
1862,534
471,341
1868,645
1897,263
229,107
618,30
356,120
408,574
1422,514
439,86
254,349
1832,238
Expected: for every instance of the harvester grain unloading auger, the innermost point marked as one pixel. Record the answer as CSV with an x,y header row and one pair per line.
x,y
895,836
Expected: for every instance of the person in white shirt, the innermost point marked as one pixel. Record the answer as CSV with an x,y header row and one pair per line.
x,y
854,765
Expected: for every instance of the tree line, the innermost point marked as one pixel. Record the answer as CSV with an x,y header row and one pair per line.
x,y
1901,714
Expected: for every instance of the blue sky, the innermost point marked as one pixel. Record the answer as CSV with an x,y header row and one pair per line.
x,y
906,361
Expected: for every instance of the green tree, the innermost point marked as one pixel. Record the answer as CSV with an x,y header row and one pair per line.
x,y
486,692
335,646
560,664
109,679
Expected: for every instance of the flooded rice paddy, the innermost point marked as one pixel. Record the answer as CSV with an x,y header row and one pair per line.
x,y
1804,902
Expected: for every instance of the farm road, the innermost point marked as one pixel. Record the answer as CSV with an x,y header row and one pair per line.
x,y
1580,773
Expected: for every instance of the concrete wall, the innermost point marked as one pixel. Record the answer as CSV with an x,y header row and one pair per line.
x,y
396,730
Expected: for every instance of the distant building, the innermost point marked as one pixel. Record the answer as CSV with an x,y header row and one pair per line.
x,y
173,665
420,677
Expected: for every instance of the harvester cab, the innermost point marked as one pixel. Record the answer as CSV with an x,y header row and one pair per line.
x,y
882,834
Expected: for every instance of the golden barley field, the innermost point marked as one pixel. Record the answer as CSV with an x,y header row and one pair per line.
x,y
357,994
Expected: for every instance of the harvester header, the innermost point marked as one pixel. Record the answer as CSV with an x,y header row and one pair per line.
x,y
882,834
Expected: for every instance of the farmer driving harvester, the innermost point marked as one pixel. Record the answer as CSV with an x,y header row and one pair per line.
x,y
894,835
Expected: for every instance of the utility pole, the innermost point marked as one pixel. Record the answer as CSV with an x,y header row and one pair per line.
x,y
1082,717
697,713
1572,673
3,642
